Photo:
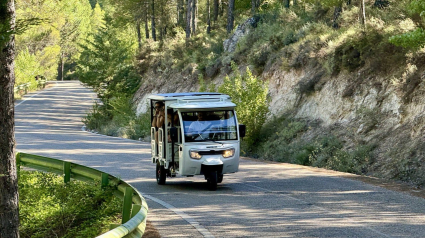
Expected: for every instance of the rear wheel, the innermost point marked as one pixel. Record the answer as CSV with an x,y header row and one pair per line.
x,y
212,181
161,174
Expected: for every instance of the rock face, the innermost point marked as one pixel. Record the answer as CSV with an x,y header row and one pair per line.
x,y
241,31
357,108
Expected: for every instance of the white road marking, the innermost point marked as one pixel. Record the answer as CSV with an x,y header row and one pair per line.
x,y
183,215
36,94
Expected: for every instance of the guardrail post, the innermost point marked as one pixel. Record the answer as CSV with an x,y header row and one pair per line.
x,y
18,158
126,208
18,163
105,180
66,171
135,209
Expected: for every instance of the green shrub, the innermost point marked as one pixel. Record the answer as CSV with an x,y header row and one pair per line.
x,y
27,67
282,141
410,40
276,138
330,154
50,208
250,95
118,118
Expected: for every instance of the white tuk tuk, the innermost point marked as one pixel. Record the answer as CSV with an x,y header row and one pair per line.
x,y
194,134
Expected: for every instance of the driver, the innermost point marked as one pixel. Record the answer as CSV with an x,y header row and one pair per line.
x,y
200,126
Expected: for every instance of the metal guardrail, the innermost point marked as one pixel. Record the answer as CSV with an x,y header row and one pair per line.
x,y
134,210
41,83
22,89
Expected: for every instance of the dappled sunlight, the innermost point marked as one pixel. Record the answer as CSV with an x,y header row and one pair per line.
x,y
262,199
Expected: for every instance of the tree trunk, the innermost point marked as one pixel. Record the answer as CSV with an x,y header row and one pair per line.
x,y
153,21
294,2
253,6
180,11
139,34
286,3
194,16
9,199
188,19
221,7
146,26
161,24
362,13
62,59
337,13
230,16
208,17
215,10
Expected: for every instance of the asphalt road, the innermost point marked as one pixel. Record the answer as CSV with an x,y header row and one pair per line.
x,y
261,200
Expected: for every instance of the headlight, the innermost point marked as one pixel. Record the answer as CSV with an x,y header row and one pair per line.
x,y
229,153
195,155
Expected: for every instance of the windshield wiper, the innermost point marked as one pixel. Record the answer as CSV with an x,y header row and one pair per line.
x,y
221,143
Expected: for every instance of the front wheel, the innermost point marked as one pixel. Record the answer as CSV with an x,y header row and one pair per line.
x,y
161,174
212,181
220,178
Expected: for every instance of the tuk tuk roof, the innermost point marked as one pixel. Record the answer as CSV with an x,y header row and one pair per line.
x,y
195,100
189,95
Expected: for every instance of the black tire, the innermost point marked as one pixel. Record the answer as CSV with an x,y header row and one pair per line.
x,y
161,174
220,178
212,181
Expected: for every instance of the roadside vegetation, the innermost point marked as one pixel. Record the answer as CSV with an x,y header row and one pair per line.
x,y
324,37
125,48
50,208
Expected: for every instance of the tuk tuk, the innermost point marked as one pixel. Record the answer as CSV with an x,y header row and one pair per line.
x,y
194,134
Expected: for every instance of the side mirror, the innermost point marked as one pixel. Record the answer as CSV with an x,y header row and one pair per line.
x,y
174,134
242,130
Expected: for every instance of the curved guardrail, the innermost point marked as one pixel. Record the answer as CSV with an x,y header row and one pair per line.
x,y
22,89
135,208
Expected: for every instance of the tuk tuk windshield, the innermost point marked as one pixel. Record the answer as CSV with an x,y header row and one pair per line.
x,y
209,126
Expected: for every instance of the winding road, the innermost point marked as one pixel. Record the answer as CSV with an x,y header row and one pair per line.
x,y
262,200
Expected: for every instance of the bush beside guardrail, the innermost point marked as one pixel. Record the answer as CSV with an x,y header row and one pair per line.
x,y
135,208
23,89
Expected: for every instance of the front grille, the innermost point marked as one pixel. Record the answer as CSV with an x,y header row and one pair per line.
x,y
211,152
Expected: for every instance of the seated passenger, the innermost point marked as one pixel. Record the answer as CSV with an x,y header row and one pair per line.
x,y
158,117
174,117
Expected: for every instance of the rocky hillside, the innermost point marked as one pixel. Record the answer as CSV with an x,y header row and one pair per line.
x,y
375,103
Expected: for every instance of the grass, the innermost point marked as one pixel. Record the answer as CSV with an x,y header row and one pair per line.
x,y
50,208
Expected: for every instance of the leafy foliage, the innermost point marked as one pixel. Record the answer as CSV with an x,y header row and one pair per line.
x,y
411,40
118,119
26,68
250,96
51,208
106,64
51,31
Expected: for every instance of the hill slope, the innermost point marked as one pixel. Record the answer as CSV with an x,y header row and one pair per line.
x,y
343,98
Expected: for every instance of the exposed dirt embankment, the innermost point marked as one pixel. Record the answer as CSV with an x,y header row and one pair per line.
x,y
359,108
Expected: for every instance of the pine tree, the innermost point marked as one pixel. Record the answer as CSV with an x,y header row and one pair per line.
x,y
9,212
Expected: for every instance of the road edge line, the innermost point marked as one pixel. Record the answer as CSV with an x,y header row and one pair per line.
x,y
24,100
201,229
